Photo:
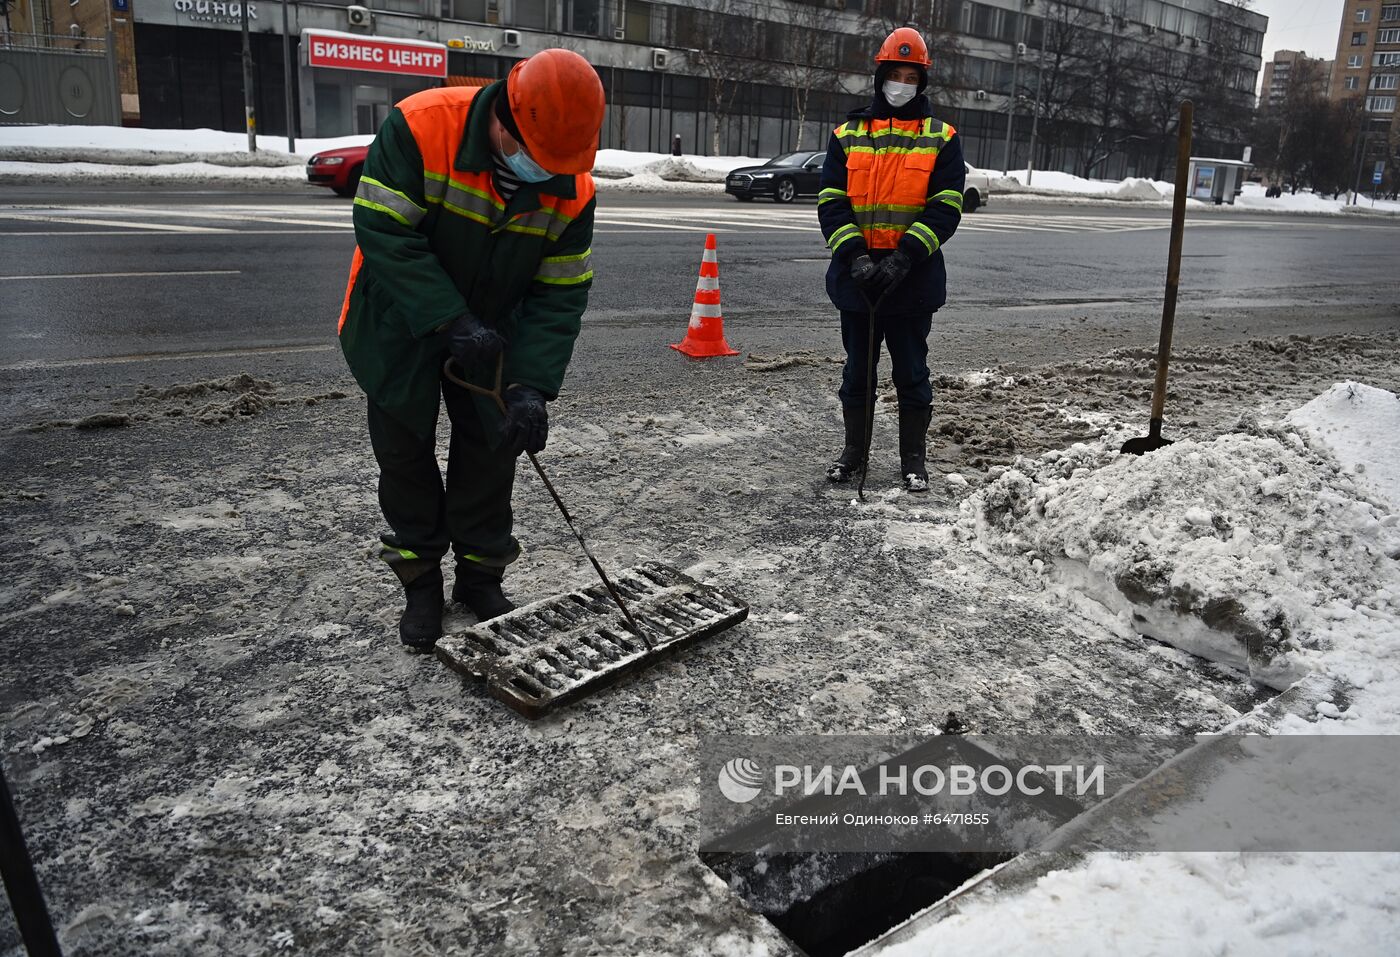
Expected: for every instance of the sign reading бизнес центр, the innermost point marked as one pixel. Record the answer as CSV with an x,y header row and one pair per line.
x,y
347,51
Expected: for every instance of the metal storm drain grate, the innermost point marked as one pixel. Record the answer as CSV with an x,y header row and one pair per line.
x,y
549,653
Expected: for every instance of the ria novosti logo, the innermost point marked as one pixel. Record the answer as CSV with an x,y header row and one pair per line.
x,y
740,780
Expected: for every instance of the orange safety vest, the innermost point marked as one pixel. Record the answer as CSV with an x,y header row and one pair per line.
x,y
888,166
437,120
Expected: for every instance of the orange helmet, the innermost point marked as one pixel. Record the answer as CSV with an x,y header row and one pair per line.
x,y
556,99
904,46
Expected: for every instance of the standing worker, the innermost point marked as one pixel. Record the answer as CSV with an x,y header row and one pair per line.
x,y
892,191
474,222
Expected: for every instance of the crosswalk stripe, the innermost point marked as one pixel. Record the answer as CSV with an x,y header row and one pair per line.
x,y
137,227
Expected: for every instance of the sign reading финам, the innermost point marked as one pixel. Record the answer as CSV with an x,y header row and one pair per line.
x,y
349,51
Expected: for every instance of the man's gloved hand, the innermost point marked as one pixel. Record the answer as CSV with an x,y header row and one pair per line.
x,y
526,425
889,273
472,341
862,271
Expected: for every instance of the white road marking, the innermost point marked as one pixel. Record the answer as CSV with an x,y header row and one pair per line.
x,y
159,357
139,227
124,275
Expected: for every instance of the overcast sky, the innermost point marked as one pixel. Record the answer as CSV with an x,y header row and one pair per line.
x,y
1308,25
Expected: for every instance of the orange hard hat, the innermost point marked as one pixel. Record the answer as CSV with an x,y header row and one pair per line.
x,y
904,46
556,99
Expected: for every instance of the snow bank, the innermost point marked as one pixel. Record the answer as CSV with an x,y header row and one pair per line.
x,y
1049,183
1258,549
1287,534
1361,426
90,139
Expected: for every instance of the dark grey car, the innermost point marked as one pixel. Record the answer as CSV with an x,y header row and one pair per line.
x,y
784,177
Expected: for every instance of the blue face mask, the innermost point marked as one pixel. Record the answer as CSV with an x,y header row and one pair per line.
x,y
526,169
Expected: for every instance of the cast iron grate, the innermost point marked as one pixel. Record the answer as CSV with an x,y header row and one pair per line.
x,y
551,652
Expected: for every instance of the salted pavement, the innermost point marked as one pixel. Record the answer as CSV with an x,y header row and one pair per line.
x,y
217,746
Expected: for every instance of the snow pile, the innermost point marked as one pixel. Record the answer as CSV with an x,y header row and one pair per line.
x,y
1051,183
82,143
1257,549
1361,425
1252,198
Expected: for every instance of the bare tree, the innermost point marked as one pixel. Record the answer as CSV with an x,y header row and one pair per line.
x,y
1224,93
1112,55
813,51
1163,85
725,45
1065,77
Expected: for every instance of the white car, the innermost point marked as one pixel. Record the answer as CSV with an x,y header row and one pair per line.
x,y
978,190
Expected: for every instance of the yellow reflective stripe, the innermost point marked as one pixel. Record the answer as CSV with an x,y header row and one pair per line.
x,y
565,270
864,207
843,233
927,236
382,197
949,196
886,217
381,208
830,193
468,213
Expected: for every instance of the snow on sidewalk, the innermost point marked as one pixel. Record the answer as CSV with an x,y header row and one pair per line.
x,y
1275,542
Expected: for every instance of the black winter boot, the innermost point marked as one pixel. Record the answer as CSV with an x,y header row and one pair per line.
x,y
913,448
851,461
479,588
421,624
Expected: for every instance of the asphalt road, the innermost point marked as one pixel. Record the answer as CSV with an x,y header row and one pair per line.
x,y
118,276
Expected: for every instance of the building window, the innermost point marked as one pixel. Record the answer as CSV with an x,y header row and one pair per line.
x,y
1354,62
1352,83
1358,39
1363,16
1386,81
1388,36
472,10
1380,104
1385,59
1389,12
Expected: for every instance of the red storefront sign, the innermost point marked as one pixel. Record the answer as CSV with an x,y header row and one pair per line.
x,y
348,51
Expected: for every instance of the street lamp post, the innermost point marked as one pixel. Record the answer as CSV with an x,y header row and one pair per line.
x,y
1011,99
248,83
1039,85
287,76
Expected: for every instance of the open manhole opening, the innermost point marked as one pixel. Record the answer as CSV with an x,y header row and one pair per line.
x,y
830,903
832,899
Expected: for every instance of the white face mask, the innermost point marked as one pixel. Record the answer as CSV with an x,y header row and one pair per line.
x,y
897,94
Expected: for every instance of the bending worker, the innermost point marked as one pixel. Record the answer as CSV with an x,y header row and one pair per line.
x,y
474,221
891,197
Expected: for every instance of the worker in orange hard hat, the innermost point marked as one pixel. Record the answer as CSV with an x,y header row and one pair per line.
x,y
891,198
474,223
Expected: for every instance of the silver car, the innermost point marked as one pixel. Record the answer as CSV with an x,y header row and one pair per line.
x,y
978,190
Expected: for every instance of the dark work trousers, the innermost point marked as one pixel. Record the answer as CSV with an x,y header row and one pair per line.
x,y
906,337
472,513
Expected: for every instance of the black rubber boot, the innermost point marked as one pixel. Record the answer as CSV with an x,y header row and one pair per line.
x,y
421,624
913,448
851,461
479,588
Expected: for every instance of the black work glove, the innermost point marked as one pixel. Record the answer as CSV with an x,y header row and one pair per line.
x,y
862,271
472,341
889,273
526,425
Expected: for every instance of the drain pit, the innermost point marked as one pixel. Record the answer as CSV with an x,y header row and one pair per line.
x,y
828,904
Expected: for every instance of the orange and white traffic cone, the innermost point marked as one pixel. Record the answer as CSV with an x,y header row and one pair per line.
x,y
705,336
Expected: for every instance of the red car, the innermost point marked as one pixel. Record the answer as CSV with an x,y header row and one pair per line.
x,y
338,169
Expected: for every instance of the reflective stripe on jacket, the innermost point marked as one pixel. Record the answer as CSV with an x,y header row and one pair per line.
x,y
435,240
891,183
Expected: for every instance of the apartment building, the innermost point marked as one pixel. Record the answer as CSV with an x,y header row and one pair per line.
x,y
1280,72
1368,57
